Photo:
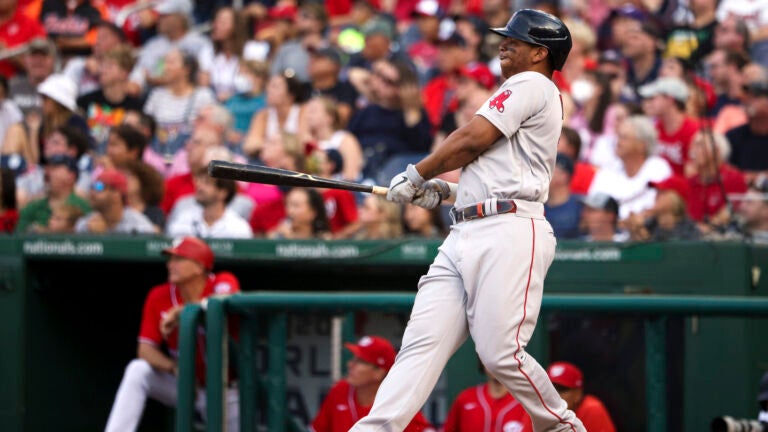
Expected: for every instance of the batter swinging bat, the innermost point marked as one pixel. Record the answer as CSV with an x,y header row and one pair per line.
x,y
281,177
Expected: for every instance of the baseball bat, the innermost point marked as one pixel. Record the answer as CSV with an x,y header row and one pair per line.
x,y
282,177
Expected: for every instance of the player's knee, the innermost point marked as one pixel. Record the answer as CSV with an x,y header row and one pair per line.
x,y
138,370
495,359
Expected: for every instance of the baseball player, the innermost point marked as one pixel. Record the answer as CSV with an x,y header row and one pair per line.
x,y
153,373
487,279
351,398
569,382
487,408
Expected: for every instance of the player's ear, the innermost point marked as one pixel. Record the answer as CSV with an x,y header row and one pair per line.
x,y
540,54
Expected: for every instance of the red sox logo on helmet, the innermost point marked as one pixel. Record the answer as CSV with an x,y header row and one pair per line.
x,y
498,101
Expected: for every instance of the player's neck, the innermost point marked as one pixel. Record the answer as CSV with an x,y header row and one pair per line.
x,y
496,389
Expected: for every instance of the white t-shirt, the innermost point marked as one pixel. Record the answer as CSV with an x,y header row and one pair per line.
x,y
528,111
9,114
223,69
632,193
191,222
754,13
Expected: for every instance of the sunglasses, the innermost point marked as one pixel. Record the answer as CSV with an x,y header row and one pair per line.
x,y
387,80
99,186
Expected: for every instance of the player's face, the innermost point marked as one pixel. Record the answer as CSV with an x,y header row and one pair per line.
x,y
570,396
182,270
360,373
515,56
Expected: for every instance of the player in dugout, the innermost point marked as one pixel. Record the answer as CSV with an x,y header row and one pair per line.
x,y
569,382
154,372
351,398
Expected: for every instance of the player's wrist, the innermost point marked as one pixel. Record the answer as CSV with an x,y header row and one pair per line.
x,y
413,175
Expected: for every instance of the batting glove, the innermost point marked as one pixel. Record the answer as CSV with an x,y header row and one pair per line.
x,y
404,186
433,192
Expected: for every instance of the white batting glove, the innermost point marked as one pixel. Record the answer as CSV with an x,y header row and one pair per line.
x,y
433,192
404,186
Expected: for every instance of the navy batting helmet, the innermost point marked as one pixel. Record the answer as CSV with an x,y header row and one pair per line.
x,y
542,29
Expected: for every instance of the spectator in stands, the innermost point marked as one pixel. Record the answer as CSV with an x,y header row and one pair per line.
x,y
473,29
713,180
424,52
125,144
438,93
695,40
145,191
85,70
379,219
324,128
421,222
600,219
173,32
59,109
351,398
394,123
220,62
68,24
105,107
340,205
306,218
563,209
293,57
724,69
63,219
749,151
583,173
756,20
13,136
487,407
668,218
754,216
16,30
38,63
665,101
182,184
60,177
635,147
211,218
176,104
732,35
593,97
249,97
641,49
110,213
283,113
569,382
325,80
379,35
9,214
154,372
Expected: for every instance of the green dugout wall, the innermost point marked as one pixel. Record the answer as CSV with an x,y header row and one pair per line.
x,y
71,307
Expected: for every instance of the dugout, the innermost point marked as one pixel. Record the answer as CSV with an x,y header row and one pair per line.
x,y
72,306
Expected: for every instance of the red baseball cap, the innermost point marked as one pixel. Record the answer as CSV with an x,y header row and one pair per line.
x,y
480,73
115,179
192,248
283,12
375,350
565,374
674,183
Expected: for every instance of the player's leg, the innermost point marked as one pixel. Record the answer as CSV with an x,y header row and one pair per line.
x,y
504,290
437,327
139,382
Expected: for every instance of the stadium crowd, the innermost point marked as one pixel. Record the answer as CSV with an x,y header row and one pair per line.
x,y
110,111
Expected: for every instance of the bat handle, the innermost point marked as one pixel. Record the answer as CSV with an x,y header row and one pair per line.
x,y
379,190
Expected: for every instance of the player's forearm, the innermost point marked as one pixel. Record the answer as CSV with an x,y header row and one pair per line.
x,y
156,358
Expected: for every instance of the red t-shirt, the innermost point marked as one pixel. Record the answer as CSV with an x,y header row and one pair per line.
x,y
706,200
438,95
340,207
18,30
594,416
164,297
177,187
340,411
674,147
583,174
474,410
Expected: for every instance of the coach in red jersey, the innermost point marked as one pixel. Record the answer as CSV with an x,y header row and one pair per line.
x,y
488,407
569,382
351,398
153,373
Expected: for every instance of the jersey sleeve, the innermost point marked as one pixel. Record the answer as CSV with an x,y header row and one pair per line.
x,y
150,319
324,418
514,102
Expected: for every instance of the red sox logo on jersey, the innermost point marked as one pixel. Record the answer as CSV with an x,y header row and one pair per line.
x,y
498,101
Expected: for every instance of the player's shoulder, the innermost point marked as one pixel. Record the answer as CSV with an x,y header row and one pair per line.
x,y
225,283
592,404
159,293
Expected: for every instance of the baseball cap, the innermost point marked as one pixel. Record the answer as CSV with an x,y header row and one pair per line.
x,y
610,56
375,350
166,7
60,88
42,46
601,201
564,162
283,12
757,88
192,248
327,52
479,73
380,26
63,159
674,183
762,393
669,86
114,179
428,8
452,39
117,31
628,10
565,374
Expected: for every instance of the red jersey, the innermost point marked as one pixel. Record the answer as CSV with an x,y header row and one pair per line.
x,y
705,200
474,410
18,30
340,411
340,207
594,416
674,147
163,297
177,187
583,174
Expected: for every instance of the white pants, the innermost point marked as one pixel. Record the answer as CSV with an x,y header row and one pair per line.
x,y
487,282
141,381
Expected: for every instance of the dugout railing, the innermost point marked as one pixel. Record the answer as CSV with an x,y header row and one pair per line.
x,y
654,310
